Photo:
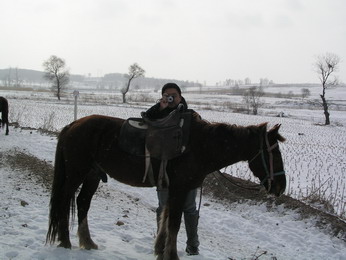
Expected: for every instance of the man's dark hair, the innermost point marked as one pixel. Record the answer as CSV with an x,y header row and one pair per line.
x,y
171,85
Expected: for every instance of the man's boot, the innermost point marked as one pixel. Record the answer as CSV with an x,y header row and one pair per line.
x,y
192,243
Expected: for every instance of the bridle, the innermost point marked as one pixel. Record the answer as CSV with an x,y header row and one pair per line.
x,y
270,174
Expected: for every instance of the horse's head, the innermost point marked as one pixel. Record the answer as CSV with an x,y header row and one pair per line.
x,y
266,163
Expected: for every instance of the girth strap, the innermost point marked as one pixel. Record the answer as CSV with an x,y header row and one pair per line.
x,y
163,176
148,168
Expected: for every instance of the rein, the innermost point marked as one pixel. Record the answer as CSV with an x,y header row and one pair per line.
x,y
254,187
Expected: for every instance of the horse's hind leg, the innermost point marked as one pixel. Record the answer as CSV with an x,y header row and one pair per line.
x,y
83,204
63,232
64,209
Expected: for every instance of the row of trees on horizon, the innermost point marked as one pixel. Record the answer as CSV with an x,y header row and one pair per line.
x,y
326,65
15,77
57,75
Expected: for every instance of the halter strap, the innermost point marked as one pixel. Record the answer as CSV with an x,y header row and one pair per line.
x,y
269,149
270,174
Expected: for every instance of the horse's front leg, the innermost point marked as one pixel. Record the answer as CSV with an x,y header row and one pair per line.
x,y
162,234
170,226
173,227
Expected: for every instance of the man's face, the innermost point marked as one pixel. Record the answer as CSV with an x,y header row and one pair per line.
x,y
172,93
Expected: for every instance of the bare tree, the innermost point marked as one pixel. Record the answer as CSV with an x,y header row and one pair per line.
x,y
305,92
56,73
135,71
325,66
252,99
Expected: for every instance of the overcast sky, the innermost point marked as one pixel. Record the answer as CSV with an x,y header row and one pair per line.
x,y
196,40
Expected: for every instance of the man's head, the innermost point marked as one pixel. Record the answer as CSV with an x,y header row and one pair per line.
x,y
172,94
170,85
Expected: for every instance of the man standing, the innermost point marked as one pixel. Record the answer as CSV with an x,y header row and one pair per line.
x,y
171,98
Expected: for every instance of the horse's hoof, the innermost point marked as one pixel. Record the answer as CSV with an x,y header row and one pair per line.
x,y
88,245
171,256
159,257
65,245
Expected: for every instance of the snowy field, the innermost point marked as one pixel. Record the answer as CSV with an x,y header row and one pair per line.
x,y
315,162
314,154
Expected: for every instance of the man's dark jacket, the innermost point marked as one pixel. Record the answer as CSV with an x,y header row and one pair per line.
x,y
155,113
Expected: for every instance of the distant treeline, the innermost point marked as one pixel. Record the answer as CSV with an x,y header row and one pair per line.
x,y
15,77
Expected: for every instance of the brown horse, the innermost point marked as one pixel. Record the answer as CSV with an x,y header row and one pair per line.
x,y
4,113
89,147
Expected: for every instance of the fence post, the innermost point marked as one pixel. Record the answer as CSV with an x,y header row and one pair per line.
x,y
75,94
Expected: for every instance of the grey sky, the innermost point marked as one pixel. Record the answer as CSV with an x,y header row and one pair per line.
x,y
204,40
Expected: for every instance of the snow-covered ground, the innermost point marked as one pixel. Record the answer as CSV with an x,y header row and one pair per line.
x,y
314,155
236,231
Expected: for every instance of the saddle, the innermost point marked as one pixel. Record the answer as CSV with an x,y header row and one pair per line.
x,y
162,139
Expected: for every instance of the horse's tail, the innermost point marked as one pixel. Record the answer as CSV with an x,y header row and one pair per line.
x,y
58,212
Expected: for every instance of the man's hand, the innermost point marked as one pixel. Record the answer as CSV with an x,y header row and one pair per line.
x,y
163,102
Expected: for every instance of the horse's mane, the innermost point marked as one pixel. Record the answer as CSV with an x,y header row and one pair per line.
x,y
236,130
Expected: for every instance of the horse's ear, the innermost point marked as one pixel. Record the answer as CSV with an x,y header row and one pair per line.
x,y
276,127
275,131
263,127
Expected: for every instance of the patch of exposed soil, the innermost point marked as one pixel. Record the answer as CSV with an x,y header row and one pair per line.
x,y
231,189
36,169
224,188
